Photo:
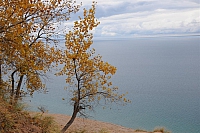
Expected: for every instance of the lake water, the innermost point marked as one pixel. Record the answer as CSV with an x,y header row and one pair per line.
x,y
162,76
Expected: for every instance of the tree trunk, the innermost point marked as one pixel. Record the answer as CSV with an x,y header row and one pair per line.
x,y
12,86
18,87
76,104
76,110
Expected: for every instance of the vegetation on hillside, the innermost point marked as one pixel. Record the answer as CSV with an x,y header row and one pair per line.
x,y
29,48
13,119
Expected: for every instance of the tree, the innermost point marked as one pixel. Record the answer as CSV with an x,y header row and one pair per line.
x,y
87,74
27,30
28,47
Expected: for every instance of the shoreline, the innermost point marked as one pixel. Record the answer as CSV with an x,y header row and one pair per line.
x,y
90,126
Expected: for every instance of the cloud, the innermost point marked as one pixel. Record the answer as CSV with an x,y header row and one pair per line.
x,y
155,22
128,18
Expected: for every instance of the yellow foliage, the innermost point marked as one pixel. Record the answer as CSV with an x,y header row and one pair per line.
x,y
87,72
26,28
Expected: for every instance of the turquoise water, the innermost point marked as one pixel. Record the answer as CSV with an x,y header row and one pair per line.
x,y
162,76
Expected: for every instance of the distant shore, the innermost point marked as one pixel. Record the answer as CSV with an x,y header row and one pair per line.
x,y
91,126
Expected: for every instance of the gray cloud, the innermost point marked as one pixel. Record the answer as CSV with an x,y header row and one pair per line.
x,y
128,18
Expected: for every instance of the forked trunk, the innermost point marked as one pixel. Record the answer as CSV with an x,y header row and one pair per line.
x,y
76,104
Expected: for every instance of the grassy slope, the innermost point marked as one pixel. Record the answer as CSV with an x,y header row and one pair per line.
x,y
14,120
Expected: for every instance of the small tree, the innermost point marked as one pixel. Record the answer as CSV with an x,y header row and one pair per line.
x,y
87,75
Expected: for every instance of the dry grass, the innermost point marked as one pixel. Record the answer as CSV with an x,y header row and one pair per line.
x,y
14,120
161,130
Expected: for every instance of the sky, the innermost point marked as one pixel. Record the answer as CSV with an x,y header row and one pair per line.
x,y
141,18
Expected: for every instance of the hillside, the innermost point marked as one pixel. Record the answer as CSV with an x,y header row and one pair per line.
x,y
14,120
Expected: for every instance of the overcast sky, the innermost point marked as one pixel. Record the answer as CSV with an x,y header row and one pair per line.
x,y
133,18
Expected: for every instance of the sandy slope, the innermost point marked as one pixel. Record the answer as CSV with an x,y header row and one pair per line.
x,y
90,126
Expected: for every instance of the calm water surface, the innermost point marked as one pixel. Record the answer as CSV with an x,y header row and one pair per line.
x,y
162,76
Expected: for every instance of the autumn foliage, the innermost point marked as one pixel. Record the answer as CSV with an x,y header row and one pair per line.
x,y
27,28
87,74
29,48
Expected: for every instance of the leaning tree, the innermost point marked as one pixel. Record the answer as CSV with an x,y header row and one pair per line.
x,y
88,76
